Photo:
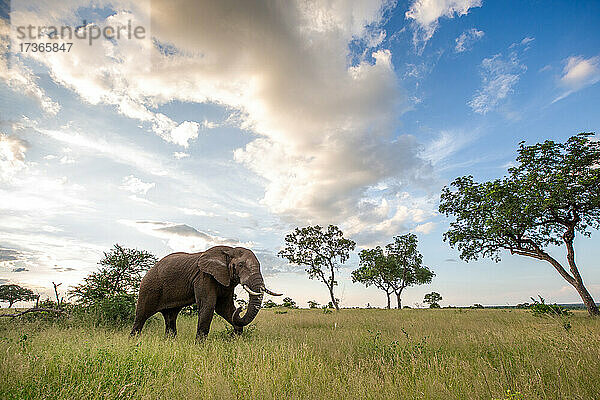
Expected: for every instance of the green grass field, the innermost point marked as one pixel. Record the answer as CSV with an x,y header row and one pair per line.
x,y
307,354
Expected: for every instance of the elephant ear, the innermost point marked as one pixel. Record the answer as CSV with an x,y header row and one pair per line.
x,y
215,264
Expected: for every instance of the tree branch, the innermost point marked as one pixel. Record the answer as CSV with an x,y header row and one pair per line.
x,y
35,309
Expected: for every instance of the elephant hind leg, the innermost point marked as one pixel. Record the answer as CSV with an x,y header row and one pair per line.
x,y
170,316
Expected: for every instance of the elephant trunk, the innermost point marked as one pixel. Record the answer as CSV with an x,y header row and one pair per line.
x,y
255,283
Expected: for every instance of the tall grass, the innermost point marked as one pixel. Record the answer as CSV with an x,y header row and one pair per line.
x,y
306,354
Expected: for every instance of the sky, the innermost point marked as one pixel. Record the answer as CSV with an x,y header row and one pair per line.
x,y
233,122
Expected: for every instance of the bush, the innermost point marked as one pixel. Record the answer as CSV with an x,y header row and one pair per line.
x,y
434,305
269,304
541,308
116,310
289,303
476,305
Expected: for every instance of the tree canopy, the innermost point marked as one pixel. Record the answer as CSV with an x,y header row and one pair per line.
x,y
550,195
374,269
392,270
321,251
433,299
13,293
120,273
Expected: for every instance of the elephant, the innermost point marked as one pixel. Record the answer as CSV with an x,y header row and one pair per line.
x,y
208,279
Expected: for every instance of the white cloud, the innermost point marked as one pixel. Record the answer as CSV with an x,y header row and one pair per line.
x,y
197,212
445,145
324,131
181,237
240,214
118,152
184,132
12,156
67,160
425,228
466,40
19,77
578,73
50,258
426,14
136,185
499,76
179,155
206,124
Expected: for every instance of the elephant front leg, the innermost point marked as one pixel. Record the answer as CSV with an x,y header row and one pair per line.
x,y
206,310
225,309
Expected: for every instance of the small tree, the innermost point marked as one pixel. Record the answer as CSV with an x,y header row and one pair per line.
x,y
120,273
313,304
320,251
109,294
433,299
374,270
550,196
288,302
406,265
13,293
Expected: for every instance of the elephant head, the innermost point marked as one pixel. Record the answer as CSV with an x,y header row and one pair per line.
x,y
230,266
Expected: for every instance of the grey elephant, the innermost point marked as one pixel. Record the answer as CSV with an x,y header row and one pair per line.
x,y
207,279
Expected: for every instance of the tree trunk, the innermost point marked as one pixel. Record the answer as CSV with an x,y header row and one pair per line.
x,y
389,305
591,306
333,300
568,238
399,306
10,303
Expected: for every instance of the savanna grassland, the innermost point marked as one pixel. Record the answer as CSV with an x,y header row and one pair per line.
x,y
308,354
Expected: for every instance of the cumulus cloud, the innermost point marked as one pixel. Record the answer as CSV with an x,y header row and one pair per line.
x,y
578,73
466,40
182,237
184,132
136,185
426,14
12,156
324,130
499,75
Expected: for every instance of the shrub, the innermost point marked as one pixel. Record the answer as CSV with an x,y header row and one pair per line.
x,y
541,308
269,304
116,310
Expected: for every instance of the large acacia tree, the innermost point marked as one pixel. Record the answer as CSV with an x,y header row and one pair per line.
x,y
552,195
320,251
395,269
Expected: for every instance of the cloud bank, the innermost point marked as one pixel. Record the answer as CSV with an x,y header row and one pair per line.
x,y
324,128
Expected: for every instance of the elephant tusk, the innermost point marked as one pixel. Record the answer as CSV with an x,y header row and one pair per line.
x,y
251,291
265,290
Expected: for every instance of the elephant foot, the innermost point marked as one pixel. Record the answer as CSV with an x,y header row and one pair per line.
x,y
238,330
201,337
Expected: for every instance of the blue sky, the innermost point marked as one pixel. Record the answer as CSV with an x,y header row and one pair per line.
x,y
234,123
